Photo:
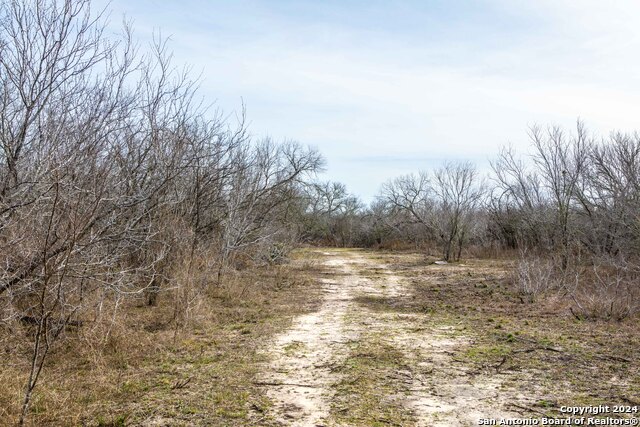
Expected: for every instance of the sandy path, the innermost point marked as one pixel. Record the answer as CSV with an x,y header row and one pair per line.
x,y
302,357
442,393
436,391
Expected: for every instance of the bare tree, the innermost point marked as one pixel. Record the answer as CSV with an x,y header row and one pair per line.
x,y
262,184
111,170
517,205
442,204
62,91
331,213
561,161
578,200
607,196
458,194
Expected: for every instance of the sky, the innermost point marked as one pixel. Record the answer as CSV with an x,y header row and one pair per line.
x,y
385,88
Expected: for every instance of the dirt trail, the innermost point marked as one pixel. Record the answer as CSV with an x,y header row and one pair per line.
x,y
300,377
434,390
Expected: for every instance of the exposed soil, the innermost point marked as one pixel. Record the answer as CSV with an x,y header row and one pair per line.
x,y
340,338
300,376
315,377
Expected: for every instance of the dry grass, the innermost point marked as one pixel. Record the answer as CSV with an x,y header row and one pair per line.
x,y
539,344
368,393
152,371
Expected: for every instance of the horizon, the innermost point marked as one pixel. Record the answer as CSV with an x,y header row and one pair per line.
x,y
383,90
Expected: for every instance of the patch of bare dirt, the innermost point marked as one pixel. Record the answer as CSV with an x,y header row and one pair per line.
x,y
442,392
300,376
361,299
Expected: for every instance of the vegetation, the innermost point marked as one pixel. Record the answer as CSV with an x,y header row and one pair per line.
x,y
140,229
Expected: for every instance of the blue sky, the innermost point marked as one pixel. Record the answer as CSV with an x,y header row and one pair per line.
x,y
383,88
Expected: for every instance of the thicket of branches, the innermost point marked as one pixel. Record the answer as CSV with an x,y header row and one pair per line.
x,y
569,211
113,174
118,184
572,212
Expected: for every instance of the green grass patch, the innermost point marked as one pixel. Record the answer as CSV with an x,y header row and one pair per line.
x,y
369,393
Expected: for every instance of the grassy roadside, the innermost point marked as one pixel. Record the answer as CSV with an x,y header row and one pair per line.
x,y
528,346
150,373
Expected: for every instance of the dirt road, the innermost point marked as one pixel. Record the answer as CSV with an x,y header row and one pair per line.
x,y
358,360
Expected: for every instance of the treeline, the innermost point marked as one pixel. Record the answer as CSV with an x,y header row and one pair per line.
x,y
118,184
569,211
